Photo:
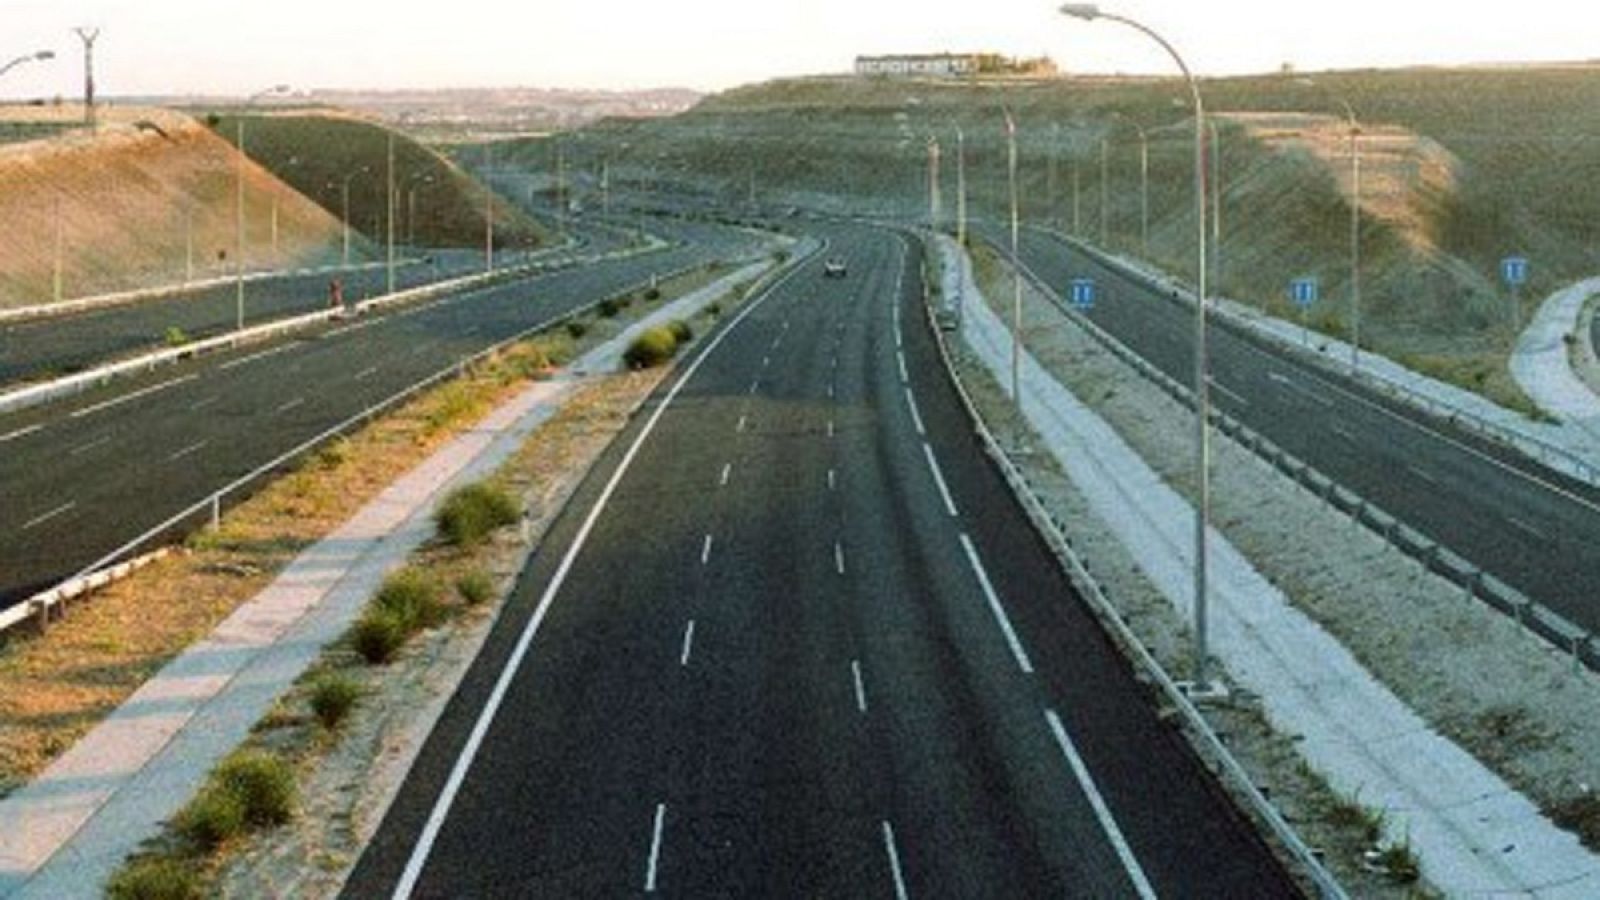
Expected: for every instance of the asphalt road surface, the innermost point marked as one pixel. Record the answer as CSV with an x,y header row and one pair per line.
x,y
1537,530
80,478
794,638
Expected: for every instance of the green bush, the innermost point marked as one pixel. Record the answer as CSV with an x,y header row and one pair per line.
x,y
412,596
263,782
213,817
714,310
470,513
681,331
378,635
577,329
155,878
475,587
332,698
652,348
609,308
652,294
175,336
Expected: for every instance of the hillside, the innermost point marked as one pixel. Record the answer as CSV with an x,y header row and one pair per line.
x,y
121,202
439,204
1465,167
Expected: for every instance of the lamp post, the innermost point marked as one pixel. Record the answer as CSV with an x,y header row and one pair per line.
x,y
1216,205
961,189
933,182
488,210
37,56
1105,194
1144,184
1355,220
1016,271
1202,460
238,202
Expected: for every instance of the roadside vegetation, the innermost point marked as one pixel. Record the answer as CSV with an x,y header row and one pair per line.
x,y
55,687
417,633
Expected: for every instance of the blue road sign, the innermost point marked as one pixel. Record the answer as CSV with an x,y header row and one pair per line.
x,y
1514,270
1303,291
1083,293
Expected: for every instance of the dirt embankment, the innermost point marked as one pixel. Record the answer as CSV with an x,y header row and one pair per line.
x,y
127,204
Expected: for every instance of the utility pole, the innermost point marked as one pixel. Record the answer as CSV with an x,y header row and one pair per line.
x,y
88,36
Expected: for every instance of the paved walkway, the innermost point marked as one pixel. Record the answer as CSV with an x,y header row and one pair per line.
x,y
65,833
1474,834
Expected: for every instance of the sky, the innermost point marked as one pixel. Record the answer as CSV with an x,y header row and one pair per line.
x,y
233,47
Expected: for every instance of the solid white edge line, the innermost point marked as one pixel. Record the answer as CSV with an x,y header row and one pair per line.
x,y
705,551
688,644
142,392
655,849
999,611
861,689
916,414
894,862
1108,823
480,728
905,375
938,478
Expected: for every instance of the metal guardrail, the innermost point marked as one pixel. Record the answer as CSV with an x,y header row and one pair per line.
x,y
44,392
1053,532
41,605
1537,619
1175,290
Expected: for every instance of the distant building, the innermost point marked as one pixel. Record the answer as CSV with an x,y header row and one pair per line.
x,y
952,65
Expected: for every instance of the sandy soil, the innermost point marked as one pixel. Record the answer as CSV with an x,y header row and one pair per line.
x,y
1514,702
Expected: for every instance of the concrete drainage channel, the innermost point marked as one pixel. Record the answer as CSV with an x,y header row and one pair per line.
x,y
33,395
47,605
1538,619
1214,750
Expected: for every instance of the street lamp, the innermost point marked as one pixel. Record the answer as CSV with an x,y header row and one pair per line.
x,y
1105,194
1016,271
238,204
933,182
1202,461
344,199
961,189
1144,184
1355,222
39,56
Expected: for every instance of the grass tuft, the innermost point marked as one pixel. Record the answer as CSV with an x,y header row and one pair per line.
x,y
469,514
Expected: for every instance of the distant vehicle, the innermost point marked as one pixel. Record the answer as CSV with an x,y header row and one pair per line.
x,y
834,268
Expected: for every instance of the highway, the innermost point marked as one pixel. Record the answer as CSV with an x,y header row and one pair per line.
x,y
793,638
80,478
1537,530
42,348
